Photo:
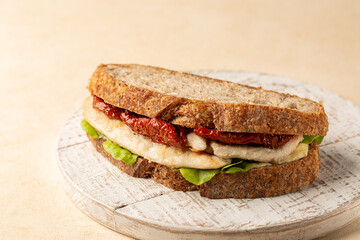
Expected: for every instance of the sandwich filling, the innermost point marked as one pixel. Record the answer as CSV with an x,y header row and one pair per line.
x,y
189,149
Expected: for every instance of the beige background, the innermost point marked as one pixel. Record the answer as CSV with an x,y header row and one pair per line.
x,y
48,51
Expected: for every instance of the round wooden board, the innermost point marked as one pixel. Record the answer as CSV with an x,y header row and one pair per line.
x,y
143,209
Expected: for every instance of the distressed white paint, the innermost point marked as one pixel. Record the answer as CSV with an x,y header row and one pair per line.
x,y
146,210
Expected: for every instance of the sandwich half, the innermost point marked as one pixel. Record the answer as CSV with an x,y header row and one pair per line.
x,y
191,132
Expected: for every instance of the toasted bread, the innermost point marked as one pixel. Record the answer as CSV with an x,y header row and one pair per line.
x,y
259,182
195,101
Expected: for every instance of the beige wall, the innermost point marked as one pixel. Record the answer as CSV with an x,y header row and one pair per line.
x,y
48,51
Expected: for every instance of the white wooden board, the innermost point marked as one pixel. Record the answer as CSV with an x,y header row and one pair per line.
x,y
143,209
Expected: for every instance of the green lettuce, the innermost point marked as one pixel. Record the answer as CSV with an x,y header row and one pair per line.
x,y
309,139
119,153
113,149
200,176
240,166
90,130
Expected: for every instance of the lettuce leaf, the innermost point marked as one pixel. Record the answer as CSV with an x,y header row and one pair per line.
x,y
309,139
198,176
119,153
90,130
240,166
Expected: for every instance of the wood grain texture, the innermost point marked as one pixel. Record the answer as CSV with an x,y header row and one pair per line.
x,y
143,209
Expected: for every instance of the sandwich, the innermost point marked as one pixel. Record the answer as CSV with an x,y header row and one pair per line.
x,y
190,132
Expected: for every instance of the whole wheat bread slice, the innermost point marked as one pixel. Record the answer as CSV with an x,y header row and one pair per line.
x,y
260,182
196,101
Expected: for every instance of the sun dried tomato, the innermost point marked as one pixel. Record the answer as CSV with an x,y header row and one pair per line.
x,y
266,140
158,130
109,110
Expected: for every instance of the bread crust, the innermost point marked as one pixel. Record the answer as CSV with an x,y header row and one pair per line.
x,y
260,182
191,113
